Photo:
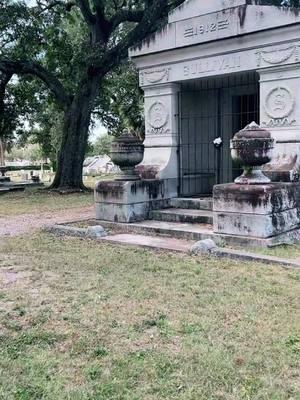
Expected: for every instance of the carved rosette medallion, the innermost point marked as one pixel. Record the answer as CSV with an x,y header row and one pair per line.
x,y
279,103
158,116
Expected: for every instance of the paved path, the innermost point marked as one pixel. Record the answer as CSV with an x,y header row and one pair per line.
x,y
27,223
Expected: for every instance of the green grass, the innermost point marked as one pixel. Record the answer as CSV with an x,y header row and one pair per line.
x,y
284,251
32,200
85,320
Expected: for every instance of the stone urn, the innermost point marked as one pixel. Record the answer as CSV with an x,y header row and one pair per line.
x,y
252,147
127,151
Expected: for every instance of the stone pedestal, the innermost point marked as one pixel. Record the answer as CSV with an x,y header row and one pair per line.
x,y
4,179
260,211
130,201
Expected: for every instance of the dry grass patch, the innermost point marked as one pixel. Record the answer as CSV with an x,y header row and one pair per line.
x,y
31,200
84,320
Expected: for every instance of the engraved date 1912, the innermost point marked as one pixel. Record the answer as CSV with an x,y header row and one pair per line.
x,y
206,28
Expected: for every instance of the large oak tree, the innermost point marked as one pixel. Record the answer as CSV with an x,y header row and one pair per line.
x,y
71,46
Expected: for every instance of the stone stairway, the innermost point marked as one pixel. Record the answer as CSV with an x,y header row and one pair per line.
x,y
184,210
188,220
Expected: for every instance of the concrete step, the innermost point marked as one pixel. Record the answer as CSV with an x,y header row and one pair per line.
x,y
201,203
194,232
165,229
182,215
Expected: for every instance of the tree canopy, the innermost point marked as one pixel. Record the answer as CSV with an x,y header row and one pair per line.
x,y
69,47
70,60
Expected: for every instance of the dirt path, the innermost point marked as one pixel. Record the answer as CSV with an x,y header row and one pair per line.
x,y
27,223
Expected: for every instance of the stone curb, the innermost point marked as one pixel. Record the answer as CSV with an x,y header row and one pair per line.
x,y
243,256
65,230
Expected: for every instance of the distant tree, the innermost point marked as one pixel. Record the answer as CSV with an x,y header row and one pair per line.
x,y
30,152
101,147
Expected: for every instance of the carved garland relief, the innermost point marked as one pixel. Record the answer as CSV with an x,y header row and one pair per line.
x,y
278,56
155,76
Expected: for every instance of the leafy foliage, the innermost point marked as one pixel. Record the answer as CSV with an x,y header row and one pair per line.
x,y
70,57
120,105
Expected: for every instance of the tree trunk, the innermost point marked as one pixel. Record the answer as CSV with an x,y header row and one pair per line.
x,y
2,150
77,119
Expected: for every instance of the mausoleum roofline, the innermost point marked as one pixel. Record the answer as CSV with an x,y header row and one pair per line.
x,y
194,8
223,24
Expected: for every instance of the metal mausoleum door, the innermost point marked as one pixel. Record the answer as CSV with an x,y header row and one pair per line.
x,y
212,108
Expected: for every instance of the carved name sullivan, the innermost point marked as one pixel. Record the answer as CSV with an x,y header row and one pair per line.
x,y
225,63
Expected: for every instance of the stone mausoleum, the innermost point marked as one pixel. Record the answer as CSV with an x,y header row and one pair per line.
x,y
216,67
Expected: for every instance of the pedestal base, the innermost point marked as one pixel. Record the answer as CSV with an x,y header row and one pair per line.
x,y
252,176
131,201
260,211
4,179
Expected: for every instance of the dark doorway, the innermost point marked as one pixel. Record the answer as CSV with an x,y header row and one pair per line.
x,y
213,108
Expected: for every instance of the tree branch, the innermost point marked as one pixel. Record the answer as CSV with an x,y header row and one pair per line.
x,y
48,7
99,7
126,16
5,77
85,9
173,4
151,19
36,69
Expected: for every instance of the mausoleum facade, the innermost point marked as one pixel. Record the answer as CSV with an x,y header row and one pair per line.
x,y
215,67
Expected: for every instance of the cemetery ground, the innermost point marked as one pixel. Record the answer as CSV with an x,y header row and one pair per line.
x,y
81,319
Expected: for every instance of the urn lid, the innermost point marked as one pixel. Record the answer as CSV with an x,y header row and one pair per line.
x,y
253,131
127,137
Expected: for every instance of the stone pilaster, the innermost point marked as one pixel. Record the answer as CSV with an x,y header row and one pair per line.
x,y
280,114
161,138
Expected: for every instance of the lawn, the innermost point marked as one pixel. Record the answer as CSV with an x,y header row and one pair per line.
x,y
284,251
31,200
85,320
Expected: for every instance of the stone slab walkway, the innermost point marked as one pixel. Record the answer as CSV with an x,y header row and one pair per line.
x,y
162,243
28,223
171,244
